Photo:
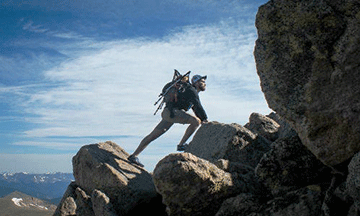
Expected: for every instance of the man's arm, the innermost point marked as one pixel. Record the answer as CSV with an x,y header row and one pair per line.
x,y
197,107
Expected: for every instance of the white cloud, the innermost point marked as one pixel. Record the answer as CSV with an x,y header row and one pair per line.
x,y
62,145
29,26
111,92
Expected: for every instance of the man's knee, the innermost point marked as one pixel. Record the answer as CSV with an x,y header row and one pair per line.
x,y
196,122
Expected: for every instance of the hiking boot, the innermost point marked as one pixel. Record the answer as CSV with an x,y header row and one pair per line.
x,y
182,147
135,160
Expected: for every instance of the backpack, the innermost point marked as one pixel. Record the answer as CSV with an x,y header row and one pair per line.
x,y
170,91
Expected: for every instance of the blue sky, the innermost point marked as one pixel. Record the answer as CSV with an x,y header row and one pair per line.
x,y
80,72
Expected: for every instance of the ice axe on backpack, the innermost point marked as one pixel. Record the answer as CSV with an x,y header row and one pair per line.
x,y
177,78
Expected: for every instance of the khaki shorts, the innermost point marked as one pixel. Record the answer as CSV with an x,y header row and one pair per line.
x,y
180,116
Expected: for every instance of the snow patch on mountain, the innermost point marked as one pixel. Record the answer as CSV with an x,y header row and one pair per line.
x,y
17,201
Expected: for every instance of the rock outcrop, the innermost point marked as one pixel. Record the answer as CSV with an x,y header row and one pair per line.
x,y
286,180
243,204
301,202
192,186
214,141
264,126
105,167
289,165
107,184
307,58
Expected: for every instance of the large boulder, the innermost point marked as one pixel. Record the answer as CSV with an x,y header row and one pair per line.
x,y
307,58
302,202
192,186
214,141
264,126
305,201
289,165
104,167
243,204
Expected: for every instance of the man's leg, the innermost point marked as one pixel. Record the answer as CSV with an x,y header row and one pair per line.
x,y
159,130
195,122
147,140
183,117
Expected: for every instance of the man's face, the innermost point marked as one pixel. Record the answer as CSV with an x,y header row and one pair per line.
x,y
201,84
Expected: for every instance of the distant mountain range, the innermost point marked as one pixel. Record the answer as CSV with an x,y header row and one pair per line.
x,y
20,204
49,186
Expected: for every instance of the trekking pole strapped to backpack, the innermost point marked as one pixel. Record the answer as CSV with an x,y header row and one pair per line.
x,y
177,78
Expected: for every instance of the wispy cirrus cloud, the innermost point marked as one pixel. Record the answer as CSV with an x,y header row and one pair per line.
x,y
29,26
111,91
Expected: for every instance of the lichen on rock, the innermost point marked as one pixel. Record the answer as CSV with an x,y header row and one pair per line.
x,y
307,60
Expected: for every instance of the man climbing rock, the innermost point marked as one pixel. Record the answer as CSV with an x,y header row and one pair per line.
x,y
175,111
